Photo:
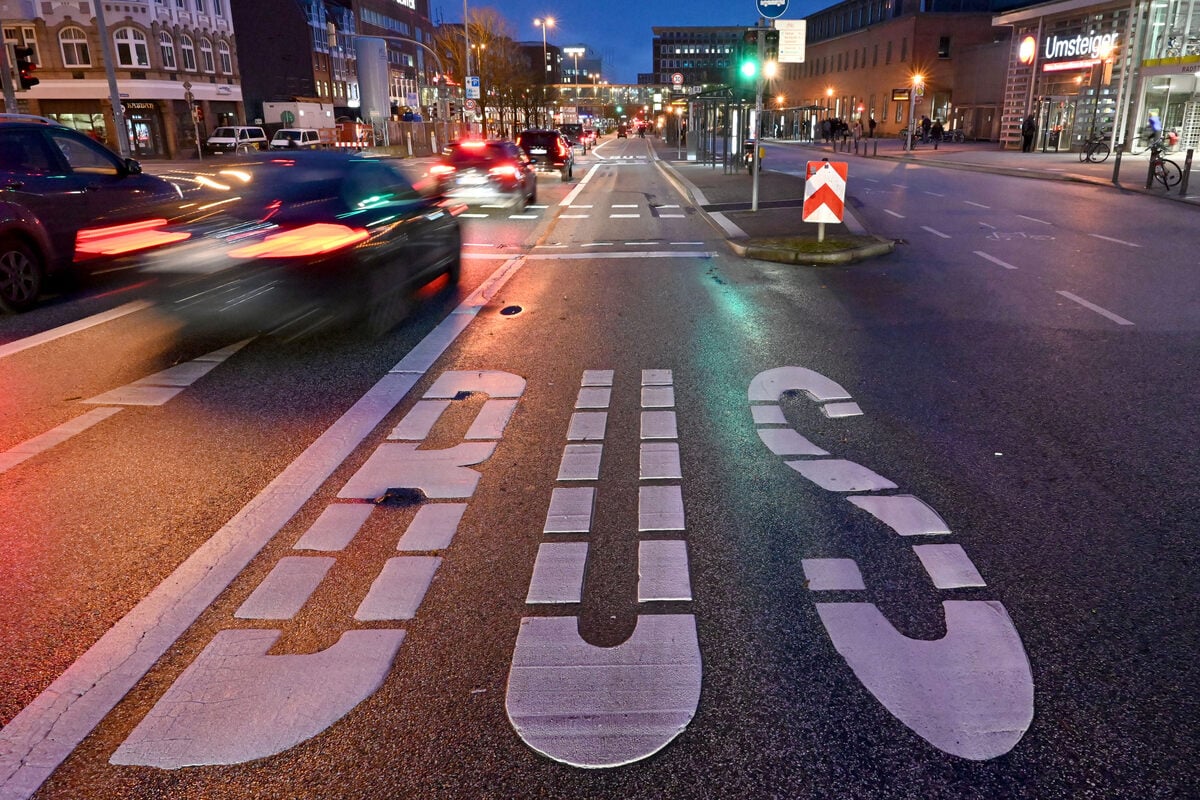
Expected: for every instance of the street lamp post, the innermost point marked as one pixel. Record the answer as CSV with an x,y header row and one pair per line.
x,y
543,23
918,83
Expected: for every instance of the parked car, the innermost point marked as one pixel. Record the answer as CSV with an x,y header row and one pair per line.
x,y
303,241
67,201
236,139
296,138
549,151
492,171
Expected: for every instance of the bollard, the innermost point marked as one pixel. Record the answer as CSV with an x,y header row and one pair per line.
x,y
1117,164
875,149
1187,171
1150,172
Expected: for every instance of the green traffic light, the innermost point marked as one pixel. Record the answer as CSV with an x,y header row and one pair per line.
x,y
749,68
620,109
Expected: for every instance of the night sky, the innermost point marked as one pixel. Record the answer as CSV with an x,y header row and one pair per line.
x,y
619,31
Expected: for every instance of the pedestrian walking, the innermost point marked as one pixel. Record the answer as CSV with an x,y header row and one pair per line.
x,y
858,130
871,127
1028,131
926,124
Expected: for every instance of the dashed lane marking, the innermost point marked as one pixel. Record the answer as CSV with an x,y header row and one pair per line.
x,y
977,205
1104,312
935,232
73,327
895,214
1035,219
1116,241
993,259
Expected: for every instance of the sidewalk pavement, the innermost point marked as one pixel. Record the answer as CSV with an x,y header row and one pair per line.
x,y
726,196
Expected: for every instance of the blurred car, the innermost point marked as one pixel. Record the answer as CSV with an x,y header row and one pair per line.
x,y
590,137
309,239
58,184
492,171
574,133
622,132
549,151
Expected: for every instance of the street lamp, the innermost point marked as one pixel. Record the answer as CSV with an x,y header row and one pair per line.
x,y
543,23
918,85
575,53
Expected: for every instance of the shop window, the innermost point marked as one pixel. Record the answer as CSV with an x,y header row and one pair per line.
x,y
131,48
74,46
166,46
188,52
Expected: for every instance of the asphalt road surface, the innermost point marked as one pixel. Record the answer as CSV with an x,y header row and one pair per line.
x,y
626,516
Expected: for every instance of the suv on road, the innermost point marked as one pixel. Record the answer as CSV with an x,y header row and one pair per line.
x,y
549,151
66,199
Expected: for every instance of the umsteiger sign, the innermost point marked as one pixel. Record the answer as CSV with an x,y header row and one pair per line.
x,y
792,36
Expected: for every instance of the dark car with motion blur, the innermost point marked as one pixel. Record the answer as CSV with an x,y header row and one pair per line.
x,y
56,186
492,171
549,151
575,134
303,242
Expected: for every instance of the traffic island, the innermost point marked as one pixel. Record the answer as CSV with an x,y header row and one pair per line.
x,y
842,248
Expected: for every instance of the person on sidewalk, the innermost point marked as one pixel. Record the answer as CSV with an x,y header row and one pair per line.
x,y
1154,128
857,130
1028,131
871,127
937,130
926,124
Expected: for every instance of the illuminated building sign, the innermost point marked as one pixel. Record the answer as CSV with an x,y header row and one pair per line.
x,y
1059,48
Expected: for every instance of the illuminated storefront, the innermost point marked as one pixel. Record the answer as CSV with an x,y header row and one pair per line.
x,y
1085,68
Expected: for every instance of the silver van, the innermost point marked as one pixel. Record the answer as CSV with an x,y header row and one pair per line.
x,y
236,139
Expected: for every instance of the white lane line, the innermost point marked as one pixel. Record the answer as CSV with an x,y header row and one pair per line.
x,y
473,215
1110,239
597,377
935,194
659,461
893,213
788,442
658,397
336,526
286,588
558,573
623,216
839,475
574,216
398,590
672,216
663,571
872,180
948,566
523,216
570,510
685,243
986,225
570,198
640,244
977,205
593,397
624,205
659,425
673,205
45,732
580,462
635,254
1035,219
588,205
1101,311
657,377
660,508
993,259
903,513
433,527
587,426
73,327
935,232
53,437
899,185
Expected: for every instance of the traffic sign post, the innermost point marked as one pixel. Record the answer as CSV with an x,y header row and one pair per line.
x,y
824,193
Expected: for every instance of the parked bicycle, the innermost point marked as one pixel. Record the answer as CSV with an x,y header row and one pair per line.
x,y
1164,170
1095,149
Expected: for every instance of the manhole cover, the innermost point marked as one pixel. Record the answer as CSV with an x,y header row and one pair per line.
x,y
510,311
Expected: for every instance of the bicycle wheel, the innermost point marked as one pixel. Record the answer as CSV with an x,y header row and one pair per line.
x,y
1085,153
1167,173
1098,153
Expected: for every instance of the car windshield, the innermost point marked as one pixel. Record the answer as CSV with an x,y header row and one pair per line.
x,y
223,133
287,135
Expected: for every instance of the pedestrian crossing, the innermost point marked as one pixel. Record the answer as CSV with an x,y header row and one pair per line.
x,y
621,211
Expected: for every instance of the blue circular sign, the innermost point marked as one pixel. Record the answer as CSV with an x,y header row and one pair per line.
x,y
771,9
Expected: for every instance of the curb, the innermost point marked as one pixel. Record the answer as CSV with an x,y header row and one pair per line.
x,y
784,255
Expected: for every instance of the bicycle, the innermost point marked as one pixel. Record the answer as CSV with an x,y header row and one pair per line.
x,y
1164,170
1095,150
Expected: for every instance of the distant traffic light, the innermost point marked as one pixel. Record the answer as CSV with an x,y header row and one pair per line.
x,y
620,109
25,67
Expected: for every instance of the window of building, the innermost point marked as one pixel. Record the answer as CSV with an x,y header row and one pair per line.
x,y
132,51
944,47
899,112
225,57
206,56
74,46
875,56
903,49
166,46
888,56
200,7
188,53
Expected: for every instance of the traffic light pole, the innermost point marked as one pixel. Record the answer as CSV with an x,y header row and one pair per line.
x,y
759,80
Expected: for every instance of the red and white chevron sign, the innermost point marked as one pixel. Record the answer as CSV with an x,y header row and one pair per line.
x,y
825,191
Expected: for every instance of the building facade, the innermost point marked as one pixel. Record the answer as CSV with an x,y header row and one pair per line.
x,y
175,63
862,57
1085,68
704,56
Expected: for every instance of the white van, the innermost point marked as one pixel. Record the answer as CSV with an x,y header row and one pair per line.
x,y
289,138
236,139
